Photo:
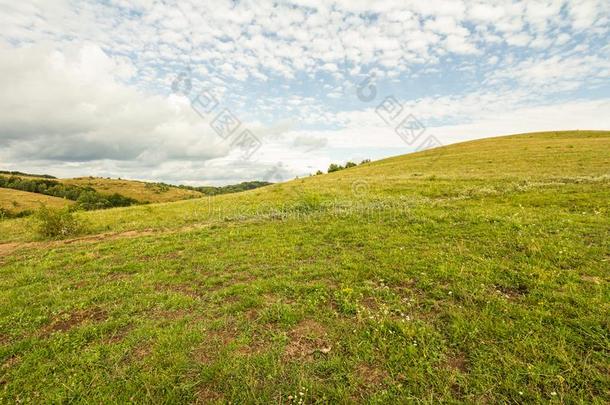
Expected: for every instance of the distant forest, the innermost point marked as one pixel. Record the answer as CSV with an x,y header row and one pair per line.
x,y
45,176
233,188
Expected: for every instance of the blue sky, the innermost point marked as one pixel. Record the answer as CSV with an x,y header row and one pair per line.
x,y
87,86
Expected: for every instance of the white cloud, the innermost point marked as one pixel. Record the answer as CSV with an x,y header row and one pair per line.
x,y
85,85
69,106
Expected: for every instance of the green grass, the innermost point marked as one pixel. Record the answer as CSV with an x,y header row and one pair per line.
x,y
477,272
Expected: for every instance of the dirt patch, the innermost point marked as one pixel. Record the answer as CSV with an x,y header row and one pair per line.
x,y
408,291
591,279
215,341
10,362
107,236
10,248
371,376
4,367
260,342
173,255
142,351
370,303
457,362
427,313
245,278
511,293
306,339
204,354
251,315
206,395
118,335
79,284
407,284
67,321
256,346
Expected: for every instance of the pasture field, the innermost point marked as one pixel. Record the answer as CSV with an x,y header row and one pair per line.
x,y
477,272
16,201
138,190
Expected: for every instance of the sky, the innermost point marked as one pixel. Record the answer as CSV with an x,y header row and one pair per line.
x,y
218,92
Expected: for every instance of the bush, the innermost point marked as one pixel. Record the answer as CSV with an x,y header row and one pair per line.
x,y
57,223
6,214
334,168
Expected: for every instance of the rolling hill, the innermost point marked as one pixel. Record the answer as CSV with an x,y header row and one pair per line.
x,y
476,272
98,193
16,202
138,190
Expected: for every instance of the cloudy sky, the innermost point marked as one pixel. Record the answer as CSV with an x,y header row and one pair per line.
x,y
216,92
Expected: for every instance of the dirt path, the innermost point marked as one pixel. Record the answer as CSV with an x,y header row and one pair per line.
x,y
12,247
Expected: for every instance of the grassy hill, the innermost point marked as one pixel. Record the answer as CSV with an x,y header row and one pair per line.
x,y
142,192
15,202
476,272
127,192
138,190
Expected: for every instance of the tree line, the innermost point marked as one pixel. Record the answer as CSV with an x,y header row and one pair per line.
x,y
231,188
334,167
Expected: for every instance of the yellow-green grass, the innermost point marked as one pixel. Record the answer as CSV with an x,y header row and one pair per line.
x,y
138,190
144,192
15,201
474,273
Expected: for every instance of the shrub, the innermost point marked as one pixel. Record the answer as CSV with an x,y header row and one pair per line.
x,y
57,223
90,200
7,214
334,168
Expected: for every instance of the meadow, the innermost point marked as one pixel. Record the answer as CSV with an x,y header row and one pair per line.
x,y
476,272
16,202
138,190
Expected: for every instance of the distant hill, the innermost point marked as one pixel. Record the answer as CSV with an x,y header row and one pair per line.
x,y
97,192
14,203
13,173
232,188
143,192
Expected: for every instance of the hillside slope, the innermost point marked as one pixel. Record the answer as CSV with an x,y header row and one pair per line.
x,y
476,272
15,202
138,190
143,192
